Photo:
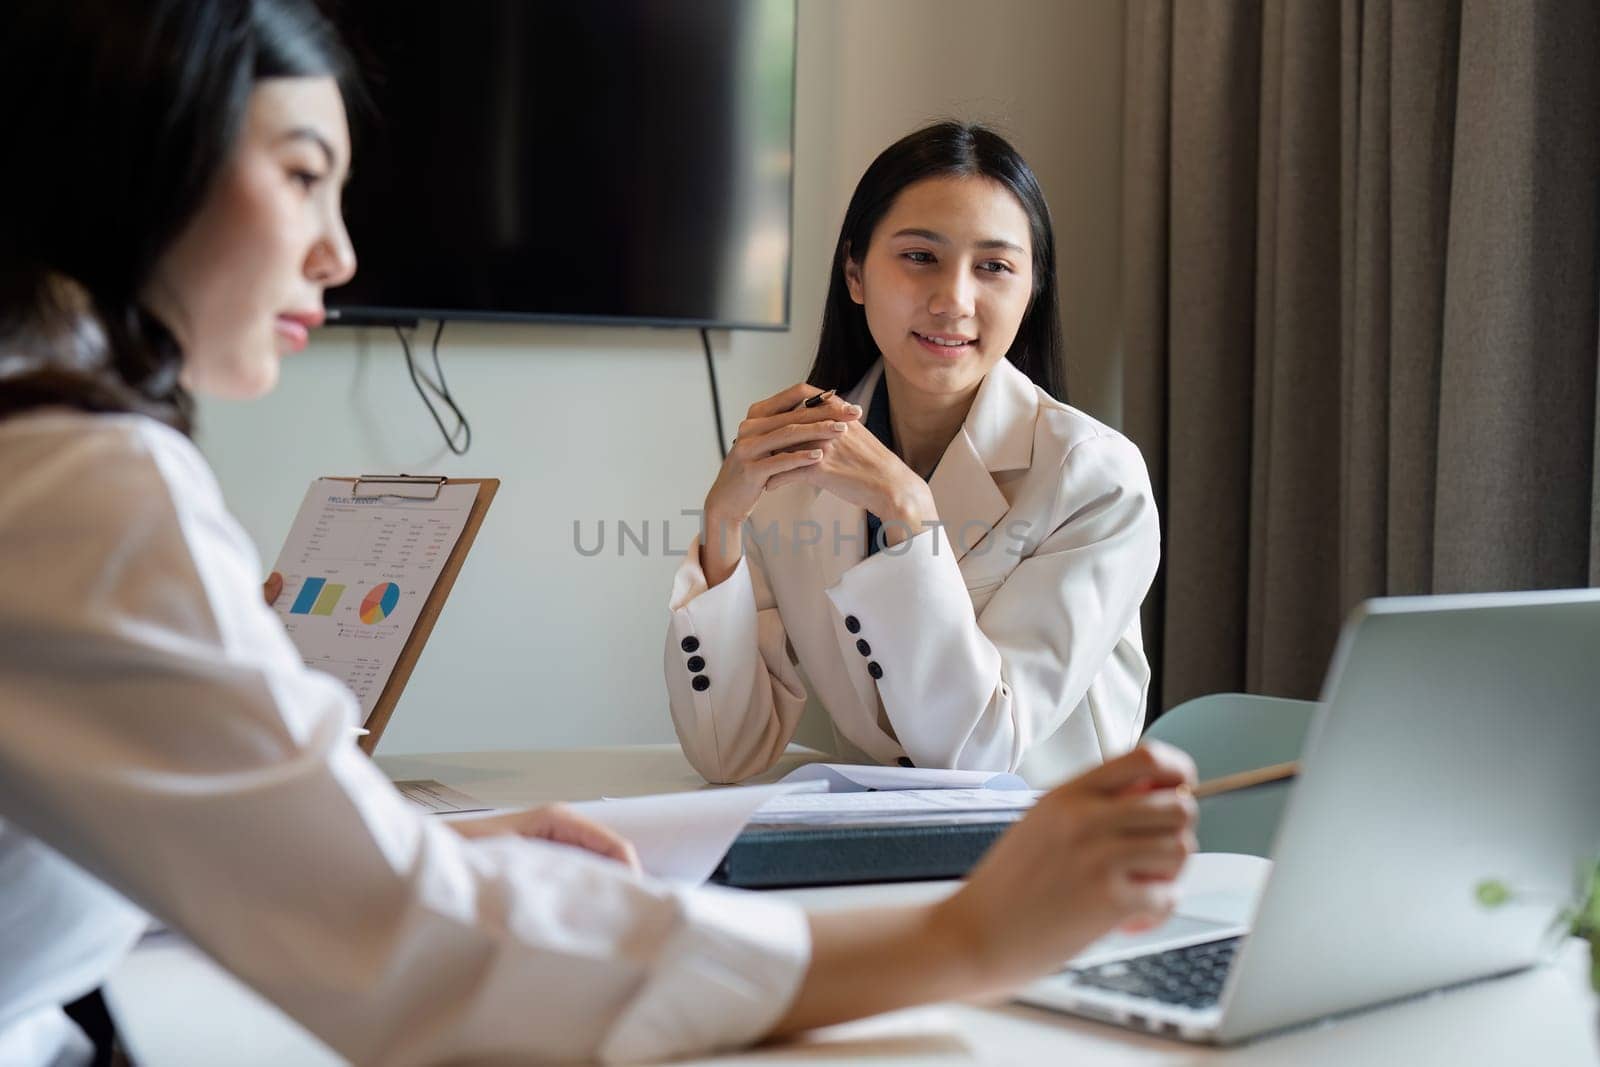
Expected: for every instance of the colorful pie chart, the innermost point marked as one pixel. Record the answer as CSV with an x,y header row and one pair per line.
x,y
379,602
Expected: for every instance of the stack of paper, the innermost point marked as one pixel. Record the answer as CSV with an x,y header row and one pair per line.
x,y
900,807
683,836
854,778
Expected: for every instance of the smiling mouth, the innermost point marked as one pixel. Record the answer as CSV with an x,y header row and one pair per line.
x,y
944,344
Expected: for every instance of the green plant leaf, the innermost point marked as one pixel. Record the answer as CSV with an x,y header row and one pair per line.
x,y
1492,892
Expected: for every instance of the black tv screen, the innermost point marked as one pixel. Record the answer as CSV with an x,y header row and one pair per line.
x,y
590,160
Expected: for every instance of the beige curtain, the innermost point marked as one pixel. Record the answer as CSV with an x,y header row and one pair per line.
x,y
1360,314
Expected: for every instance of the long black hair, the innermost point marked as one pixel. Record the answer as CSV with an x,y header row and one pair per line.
x,y
845,349
117,117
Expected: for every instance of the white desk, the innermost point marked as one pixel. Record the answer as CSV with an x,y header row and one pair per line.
x,y
175,1008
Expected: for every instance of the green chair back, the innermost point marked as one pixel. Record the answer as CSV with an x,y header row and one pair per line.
x,y
1227,733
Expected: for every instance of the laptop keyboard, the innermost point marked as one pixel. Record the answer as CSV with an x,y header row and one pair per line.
x,y
1191,977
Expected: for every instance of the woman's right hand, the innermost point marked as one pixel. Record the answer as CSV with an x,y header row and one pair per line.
x,y
1098,853
774,437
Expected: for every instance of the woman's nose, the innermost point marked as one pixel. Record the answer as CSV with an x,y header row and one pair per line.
x,y
952,296
333,258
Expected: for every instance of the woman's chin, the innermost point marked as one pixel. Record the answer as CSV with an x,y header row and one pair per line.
x,y
944,376
240,379
263,381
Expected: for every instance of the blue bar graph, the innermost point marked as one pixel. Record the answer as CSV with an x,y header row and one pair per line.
x,y
308,596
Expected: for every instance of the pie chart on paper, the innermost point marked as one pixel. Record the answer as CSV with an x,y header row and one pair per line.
x,y
379,603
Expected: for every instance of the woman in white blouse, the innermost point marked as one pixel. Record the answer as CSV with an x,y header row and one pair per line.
x,y
952,557
170,220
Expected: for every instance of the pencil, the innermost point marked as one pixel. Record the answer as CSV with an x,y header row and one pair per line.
x,y
1245,779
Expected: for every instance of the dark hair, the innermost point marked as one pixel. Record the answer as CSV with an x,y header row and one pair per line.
x,y
845,349
118,116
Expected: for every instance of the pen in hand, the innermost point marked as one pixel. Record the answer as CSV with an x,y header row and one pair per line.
x,y
814,401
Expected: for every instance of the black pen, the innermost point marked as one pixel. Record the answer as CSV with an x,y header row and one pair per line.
x,y
814,401
809,402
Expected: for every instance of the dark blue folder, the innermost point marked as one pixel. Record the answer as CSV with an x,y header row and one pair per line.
x,y
789,854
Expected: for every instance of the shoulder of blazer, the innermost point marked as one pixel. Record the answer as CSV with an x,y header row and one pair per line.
x,y
1060,428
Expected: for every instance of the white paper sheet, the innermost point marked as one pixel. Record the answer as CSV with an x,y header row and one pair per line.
x,y
855,777
898,805
356,572
681,837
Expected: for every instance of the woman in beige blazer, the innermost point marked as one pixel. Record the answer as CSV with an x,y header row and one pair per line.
x,y
953,558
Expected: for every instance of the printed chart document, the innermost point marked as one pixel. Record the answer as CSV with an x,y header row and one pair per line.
x,y
356,573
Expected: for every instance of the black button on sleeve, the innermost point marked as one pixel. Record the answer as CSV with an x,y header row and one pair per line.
x,y
875,670
863,648
701,683
690,643
852,624
696,664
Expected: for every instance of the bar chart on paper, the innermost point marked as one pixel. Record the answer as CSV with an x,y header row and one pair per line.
x,y
317,597
356,572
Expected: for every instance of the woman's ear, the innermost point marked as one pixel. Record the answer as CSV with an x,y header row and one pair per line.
x,y
852,276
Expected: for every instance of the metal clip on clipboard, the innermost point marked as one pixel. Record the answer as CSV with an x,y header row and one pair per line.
x,y
404,486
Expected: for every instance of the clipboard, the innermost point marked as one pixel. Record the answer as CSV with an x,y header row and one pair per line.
x,y
419,487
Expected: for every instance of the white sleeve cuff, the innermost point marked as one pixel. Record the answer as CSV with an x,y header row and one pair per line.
x,y
723,981
689,583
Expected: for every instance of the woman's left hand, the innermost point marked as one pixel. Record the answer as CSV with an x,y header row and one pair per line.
x,y
855,466
556,823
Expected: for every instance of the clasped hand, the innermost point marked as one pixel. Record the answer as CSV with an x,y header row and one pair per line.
x,y
827,446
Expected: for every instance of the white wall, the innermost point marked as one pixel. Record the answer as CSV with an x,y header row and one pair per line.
x,y
539,646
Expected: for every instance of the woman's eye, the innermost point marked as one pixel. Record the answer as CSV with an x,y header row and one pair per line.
x,y
995,266
306,178
919,257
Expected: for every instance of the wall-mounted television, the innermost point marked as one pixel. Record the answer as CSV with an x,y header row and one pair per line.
x,y
609,161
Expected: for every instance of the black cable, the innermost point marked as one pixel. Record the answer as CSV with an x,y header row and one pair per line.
x,y
716,400
441,389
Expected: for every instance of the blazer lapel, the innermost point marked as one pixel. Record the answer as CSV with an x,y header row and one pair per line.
x,y
996,436
969,502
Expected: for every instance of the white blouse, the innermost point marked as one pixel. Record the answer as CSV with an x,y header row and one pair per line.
x,y
161,743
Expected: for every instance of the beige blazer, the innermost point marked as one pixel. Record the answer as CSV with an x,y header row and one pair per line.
x,y
1005,639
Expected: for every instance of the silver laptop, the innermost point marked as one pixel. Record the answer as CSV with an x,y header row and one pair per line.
x,y
1458,740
